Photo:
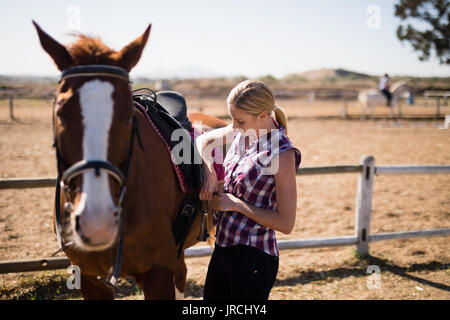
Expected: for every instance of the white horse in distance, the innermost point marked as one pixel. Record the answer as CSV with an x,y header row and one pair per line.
x,y
369,98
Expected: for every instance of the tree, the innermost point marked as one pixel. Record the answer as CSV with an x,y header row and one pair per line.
x,y
429,13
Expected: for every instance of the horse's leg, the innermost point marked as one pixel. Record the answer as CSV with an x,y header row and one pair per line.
x,y
180,278
157,283
365,105
392,110
93,289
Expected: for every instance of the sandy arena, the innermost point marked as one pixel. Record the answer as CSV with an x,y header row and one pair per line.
x,y
416,268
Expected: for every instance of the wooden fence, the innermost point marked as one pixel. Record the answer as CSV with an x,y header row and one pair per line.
x,y
361,237
438,95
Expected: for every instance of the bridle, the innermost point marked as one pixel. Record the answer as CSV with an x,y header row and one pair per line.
x,y
73,171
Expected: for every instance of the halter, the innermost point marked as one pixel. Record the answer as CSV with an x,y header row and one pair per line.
x,y
64,177
94,70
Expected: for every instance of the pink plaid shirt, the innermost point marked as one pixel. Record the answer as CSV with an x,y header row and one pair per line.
x,y
249,178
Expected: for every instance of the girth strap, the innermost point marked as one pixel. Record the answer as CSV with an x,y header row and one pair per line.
x,y
190,206
187,211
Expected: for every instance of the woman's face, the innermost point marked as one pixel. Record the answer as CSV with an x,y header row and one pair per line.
x,y
244,120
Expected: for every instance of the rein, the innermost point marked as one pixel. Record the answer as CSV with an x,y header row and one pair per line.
x,y
65,176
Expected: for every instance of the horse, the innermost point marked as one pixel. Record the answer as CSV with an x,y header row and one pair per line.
x,y
206,122
369,98
117,194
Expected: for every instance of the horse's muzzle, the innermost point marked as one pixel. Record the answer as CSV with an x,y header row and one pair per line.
x,y
96,234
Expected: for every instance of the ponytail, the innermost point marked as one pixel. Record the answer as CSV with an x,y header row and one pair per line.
x,y
281,117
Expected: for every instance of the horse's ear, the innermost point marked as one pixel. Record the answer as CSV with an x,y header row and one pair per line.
x,y
56,50
129,56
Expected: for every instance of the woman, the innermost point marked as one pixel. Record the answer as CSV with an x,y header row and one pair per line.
x,y
259,195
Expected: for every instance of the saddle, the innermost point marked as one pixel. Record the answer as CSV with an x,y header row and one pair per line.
x,y
167,112
156,106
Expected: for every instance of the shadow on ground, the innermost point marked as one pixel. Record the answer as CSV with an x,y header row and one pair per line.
x,y
54,287
360,270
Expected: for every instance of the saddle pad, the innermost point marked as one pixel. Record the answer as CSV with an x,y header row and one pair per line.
x,y
190,176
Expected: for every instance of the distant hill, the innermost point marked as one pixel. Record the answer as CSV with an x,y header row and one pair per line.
x,y
330,74
327,82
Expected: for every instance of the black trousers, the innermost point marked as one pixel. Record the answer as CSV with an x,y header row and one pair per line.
x,y
240,273
388,96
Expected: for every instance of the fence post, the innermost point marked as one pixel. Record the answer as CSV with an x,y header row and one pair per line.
x,y
438,107
363,209
311,97
343,111
11,107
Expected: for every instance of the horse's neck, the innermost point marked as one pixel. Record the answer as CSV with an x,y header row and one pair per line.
x,y
398,89
148,148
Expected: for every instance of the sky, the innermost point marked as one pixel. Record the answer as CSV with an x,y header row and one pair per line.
x,y
218,38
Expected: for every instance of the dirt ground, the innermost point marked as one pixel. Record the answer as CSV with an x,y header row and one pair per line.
x,y
416,268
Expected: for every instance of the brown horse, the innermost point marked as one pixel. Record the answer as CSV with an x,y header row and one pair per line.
x,y
207,122
117,191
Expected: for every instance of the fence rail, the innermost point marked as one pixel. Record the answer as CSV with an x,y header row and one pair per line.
x,y
438,95
24,183
361,238
431,169
197,251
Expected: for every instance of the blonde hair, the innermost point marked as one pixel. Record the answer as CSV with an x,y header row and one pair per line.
x,y
254,97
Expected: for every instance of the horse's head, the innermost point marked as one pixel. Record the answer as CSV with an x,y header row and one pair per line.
x,y
93,120
399,87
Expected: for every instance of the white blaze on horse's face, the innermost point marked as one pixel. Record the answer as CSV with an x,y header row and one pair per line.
x,y
95,211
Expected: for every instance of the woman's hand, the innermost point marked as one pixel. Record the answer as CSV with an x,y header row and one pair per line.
x,y
228,202
282,219
210,185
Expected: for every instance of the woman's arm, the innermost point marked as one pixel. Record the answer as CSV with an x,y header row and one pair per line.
x,y
283,219
215,138
205,144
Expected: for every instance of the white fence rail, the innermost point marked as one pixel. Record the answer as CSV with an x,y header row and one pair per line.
x,y
361,238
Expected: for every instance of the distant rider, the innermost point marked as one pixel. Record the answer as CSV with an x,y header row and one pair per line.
x,y
384,88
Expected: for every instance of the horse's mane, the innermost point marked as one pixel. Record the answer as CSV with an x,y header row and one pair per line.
x,y
397,84
90,50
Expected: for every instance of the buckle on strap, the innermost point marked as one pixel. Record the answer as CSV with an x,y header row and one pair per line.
x,y
204,234
188,210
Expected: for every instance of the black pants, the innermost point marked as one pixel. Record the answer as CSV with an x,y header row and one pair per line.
x,y
240,273
388,96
